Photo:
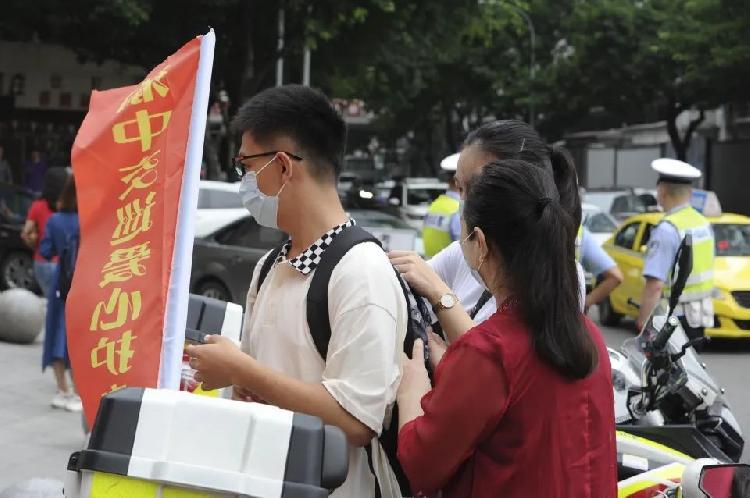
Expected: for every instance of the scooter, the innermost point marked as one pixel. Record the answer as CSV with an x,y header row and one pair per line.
x,y
663,393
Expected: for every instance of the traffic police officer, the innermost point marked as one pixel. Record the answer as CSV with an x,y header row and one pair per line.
x,y
695,309
442,224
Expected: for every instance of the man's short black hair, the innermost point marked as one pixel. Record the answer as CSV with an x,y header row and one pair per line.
x,y
303,114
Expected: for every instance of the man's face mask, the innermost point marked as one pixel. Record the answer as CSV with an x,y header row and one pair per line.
x,y
264,208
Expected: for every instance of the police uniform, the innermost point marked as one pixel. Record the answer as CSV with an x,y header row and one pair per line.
x,y
442,224
695,308
593,258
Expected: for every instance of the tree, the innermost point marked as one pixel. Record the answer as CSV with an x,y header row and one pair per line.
x,y
651,59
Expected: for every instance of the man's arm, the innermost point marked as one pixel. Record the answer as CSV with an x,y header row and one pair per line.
x,y
612,278
649,299
292,394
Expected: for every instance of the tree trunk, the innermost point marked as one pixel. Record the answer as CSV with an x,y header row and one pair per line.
x,y
681,144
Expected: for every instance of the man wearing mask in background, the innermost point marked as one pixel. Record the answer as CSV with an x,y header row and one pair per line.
x,y
291,151
442,224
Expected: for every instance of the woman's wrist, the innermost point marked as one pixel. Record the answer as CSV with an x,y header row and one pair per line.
x,y
438,290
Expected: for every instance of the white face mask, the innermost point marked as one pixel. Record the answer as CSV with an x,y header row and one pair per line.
x,y
474,271
264,208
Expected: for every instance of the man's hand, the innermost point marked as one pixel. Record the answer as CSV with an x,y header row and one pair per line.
x,y
419,275
217,361
649,299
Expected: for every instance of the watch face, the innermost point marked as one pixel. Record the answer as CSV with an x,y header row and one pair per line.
x,y
448,301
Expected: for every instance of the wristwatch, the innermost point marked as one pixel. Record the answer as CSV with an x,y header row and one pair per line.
x,y
446,302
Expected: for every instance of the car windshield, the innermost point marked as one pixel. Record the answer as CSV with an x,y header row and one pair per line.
x,y
602,200
420,196
600,223
218,199
732,239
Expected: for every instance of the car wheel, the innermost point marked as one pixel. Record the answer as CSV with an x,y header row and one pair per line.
x,y
17,271
214,289
607,315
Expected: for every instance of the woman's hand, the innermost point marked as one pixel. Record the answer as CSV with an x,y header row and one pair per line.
x,y
419,275
216,361
415,382
244,394
437,347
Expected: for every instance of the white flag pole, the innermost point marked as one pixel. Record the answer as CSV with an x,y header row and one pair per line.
x,y
175,317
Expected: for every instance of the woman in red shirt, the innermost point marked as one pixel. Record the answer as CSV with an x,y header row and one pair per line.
x,y
522,404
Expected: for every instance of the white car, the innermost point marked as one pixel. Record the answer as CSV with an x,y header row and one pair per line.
x,y
413,196
219,204
600,224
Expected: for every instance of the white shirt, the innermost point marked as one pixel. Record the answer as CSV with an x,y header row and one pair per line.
x,y
451,267
368,325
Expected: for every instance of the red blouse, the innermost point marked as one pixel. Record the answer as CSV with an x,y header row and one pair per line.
x,y
500,422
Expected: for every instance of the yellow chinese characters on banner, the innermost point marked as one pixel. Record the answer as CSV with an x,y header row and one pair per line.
x,y
128,152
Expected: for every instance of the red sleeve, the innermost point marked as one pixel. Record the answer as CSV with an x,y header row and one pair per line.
x,y
431,448
34,213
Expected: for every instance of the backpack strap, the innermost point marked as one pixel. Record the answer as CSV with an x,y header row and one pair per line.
x,y
268,264
317,296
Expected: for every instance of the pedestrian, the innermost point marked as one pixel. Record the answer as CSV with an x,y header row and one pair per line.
x,y
442,224
60,241
522,404
6,172
673,191
600,264
34,171
446,280
36,222
291,154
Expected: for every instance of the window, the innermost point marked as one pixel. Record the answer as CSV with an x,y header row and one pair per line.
x,y
732,239
626,237
646,234
421,196
247,233
18,84
600,223
218,199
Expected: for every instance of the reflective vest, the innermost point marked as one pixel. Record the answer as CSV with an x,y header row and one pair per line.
x,y
436,233
579,244
700,283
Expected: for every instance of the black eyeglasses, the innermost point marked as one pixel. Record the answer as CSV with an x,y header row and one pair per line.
x,y
238,161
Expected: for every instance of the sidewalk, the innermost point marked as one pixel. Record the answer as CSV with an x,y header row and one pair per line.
x,y
36,440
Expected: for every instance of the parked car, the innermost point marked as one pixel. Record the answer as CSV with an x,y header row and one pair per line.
x,y
16,259
223,261
621,202
413,197
218,205
731,271
600,224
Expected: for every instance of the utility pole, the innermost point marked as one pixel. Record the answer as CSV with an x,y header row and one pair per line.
x,y
279,48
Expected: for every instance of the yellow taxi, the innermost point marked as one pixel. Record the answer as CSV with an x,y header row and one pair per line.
x,y
627,247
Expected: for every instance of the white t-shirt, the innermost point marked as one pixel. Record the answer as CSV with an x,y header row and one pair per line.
x,y
451,266
368,324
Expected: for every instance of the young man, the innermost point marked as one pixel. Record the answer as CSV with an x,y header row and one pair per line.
x,y
292,146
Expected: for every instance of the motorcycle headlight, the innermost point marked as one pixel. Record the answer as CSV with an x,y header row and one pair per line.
x,y
618,381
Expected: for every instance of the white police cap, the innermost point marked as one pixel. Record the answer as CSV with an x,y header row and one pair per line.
x,y
450,163
674,171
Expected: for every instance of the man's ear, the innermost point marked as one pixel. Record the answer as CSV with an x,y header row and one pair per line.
x,y
287,166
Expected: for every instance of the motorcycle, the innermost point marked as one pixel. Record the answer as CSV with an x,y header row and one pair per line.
x,y
664,396
703,478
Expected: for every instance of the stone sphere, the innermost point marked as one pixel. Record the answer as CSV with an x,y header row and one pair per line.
x,y
34,488
23,316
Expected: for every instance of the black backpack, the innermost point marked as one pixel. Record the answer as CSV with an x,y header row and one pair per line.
x,y
320,327
67,266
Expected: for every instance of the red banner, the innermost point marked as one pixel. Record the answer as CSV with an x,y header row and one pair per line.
x,y
128,161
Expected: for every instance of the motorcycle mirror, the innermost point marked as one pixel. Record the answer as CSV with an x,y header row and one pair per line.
x,y
683,266
725,481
